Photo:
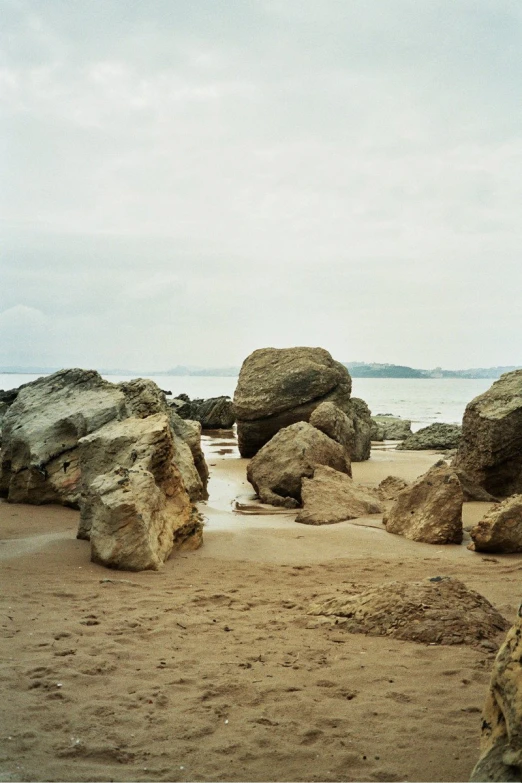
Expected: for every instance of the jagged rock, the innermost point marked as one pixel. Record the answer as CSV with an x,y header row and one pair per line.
x,y
134,506
490,450
294,452
215,413
436,436
472,490
439,610
331,420
500,530
362,423
41,430
331,496
430,509
501,735
386,427
278,387
143,397
189,433
390,487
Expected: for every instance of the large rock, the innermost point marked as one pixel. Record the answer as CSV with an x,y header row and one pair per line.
x,y
143,397
214,413
134,505
277,470
491,446
386,427
436,436
188,455
430,509
334,422
361,417
438,610
501,736
500,530
331,496
278,387
391,486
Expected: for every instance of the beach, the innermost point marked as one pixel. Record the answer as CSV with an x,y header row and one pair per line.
x,y
211,668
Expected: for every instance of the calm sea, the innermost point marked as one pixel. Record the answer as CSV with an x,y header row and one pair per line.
x,y
424,401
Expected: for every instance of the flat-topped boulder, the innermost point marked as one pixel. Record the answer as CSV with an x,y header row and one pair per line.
x,y
500,529
331,496
386,427
277,470
490,450
438,436
278,387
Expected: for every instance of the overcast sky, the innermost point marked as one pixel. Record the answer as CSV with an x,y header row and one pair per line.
x,y
183,181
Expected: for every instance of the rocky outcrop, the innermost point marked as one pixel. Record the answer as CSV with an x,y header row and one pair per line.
x,y
430,510
385,427
436,436
278,387
331,496
500,530
490,450
501,735
214,413
277,470
143,397
134,507
439,610
390,487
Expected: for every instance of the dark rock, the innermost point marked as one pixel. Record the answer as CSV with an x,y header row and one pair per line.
x,y
436,436
390,428
214,413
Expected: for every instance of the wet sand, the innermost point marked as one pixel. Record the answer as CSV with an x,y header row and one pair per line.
x,y
211,669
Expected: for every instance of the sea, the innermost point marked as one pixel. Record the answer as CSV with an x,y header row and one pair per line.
x,y
421,400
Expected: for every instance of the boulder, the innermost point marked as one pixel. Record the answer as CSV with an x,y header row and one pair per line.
x,y
501,735
490,450
361,417
134,507
331,420
277,470
278,387
385,427
193,468
430,509
331,496
438,610
214,413
500,530
143,397
436,436
390,487
472,490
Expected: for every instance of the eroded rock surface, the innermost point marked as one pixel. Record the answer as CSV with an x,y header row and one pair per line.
x,y
501,736
391,486
430,509
436,436
331,496
278,387
277,470
361,417
214,413
500,530
390,428
490,450
331,420
439,610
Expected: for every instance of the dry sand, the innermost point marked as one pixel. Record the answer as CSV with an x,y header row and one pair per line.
x,y
211,669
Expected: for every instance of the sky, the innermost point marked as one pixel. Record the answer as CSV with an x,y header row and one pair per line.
x,y
184,182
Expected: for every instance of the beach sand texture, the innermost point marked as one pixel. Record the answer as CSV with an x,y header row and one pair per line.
x,y
211,669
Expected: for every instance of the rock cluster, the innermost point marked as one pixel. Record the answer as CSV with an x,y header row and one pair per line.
x,y
331,496
214,413
436,436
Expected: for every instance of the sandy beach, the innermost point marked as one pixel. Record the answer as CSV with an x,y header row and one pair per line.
x,y
211,669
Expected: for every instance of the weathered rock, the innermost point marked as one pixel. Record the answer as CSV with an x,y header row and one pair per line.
x,y
430,510
189,433
143,397
41,430
501,736
134,505
500,530
214,413
390,487
490,450
436,436
439,610
386,427
362,423
472,490
331,420
277,470
331,496
278,387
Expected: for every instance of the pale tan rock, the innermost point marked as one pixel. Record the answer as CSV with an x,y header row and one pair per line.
x,y
430,510
331,496
188,455
278,468
501,736
500,530
391,486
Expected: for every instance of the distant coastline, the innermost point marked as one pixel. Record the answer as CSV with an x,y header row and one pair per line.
x,y
356,369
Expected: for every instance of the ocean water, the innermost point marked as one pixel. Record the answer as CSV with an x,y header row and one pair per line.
x,y
422,400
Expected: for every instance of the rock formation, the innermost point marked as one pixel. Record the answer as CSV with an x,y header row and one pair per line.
x,y
331,420
390,487
214,413
501,736
500,530
331,496
134,505
191,464
386,427
361,417
490,450
436,436
279,387
294,452
439,610
430,509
